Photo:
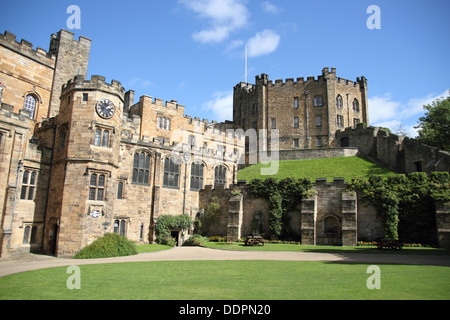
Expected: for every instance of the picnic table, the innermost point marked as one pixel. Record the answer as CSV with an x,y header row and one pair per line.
x,y
253,241
389,244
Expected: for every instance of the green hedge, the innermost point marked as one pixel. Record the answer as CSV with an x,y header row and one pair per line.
x,y
110,245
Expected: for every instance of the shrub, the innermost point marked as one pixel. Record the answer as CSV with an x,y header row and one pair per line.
x,y
195,240
110,245
168,241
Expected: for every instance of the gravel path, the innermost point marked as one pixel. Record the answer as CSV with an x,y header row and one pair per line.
x,y
27,262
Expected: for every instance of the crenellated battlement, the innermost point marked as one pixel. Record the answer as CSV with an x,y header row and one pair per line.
x,y
25,48
96,82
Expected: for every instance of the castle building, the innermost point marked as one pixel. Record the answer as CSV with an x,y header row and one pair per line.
x,y
79,158
307,113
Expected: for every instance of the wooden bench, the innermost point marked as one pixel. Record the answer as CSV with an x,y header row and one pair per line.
x,y
253,241
389,244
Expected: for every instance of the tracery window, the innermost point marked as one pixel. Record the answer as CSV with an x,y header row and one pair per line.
x,y
197,176
220,176
141,168
171,173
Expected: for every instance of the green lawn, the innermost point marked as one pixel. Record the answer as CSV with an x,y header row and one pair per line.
x,y
230,280
325,249
346,167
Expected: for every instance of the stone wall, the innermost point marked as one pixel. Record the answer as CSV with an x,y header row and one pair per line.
x,y
330,217
400,153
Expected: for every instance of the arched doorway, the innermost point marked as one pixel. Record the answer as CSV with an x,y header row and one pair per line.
x,y
332,230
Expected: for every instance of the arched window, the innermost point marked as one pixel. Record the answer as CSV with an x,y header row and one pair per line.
x,y
120,190
171,173
356,105
197,175
220,176
141,168
120,227
339,102
30,105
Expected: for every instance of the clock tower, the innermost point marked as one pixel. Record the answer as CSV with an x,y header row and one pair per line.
x,y
87,156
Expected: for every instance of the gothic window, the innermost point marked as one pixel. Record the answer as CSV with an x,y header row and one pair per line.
x,y
356,105
296,122
120,227
318,102
29,180
340,121
171,173
339,102
141,168
97,187
220,176
30,105
26,234
197,176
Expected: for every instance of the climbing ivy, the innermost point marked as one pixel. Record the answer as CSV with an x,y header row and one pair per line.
x,y
407,198
283,196
166,222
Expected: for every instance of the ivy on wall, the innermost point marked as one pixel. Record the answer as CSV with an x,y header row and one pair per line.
x,y
283,196
168,222
404,198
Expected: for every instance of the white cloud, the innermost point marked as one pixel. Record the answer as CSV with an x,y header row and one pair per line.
x,y
384,111
221,106
263,43
269,7
224,17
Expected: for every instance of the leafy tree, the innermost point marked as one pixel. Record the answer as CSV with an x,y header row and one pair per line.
x,y
435,125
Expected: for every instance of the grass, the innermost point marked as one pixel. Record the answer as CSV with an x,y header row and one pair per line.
x,y
346,167
151,247
230,280
325,249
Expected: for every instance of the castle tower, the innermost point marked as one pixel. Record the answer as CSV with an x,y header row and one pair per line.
x,y
86,158
307,113
72,58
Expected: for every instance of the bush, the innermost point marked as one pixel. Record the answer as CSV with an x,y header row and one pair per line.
x,y
168,241
110,245
195,240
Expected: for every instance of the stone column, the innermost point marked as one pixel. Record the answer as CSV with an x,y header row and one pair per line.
x,y
235,214
349,219
443,224
308,220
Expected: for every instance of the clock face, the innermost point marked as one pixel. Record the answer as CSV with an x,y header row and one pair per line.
x,y
105,108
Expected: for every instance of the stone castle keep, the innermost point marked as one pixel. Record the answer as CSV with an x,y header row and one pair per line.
x,y
81,158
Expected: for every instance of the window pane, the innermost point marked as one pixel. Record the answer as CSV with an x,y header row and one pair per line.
x,y
30,193
135,175
136,161
93,180
105,141
100,194
116,226
147,161
23,193
33,178
98,134
141,160
25,177
141,177
26,234
166,180
101,180
92,193
122,227
146,177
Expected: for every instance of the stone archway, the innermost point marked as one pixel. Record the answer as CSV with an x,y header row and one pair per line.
x,y
332,230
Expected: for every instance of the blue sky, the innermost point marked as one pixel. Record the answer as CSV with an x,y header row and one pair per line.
x,y
192,51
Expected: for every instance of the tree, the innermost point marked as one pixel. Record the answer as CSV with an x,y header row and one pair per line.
x,y
435,125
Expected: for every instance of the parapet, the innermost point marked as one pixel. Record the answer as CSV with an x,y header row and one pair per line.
x,y
25,48
96,82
